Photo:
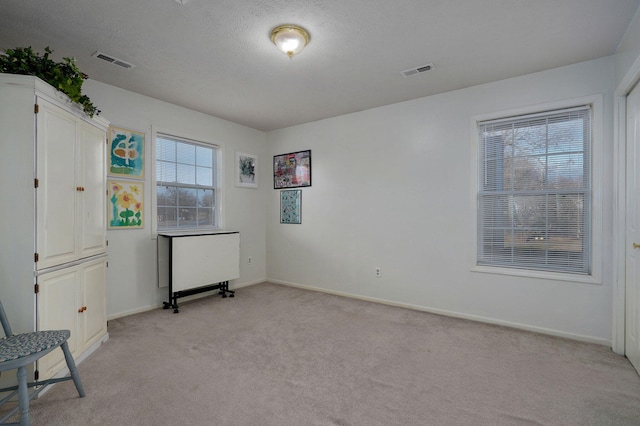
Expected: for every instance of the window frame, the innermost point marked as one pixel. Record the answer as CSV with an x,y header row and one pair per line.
x,y
217,180
597,160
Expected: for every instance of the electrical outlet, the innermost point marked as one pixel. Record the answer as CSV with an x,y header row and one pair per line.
x,y
249,260
378,272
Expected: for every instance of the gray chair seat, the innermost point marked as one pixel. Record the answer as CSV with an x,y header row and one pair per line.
x,y
22,345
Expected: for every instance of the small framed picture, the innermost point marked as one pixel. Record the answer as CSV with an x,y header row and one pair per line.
x,y
246,170
126,153
292,170
291,206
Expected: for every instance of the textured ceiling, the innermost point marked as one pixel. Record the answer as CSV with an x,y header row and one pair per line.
x,y
215,56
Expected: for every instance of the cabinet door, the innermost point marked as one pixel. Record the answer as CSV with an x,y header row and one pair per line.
x,y
56,193
93,319
58,310
73,299
93,197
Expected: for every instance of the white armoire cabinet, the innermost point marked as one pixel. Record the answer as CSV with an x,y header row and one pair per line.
x,y
53,197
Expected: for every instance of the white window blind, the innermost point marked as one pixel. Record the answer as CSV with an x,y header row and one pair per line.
x,y
185,183
534,195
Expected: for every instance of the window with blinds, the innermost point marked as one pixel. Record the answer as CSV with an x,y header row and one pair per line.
x,y
185,184
534,195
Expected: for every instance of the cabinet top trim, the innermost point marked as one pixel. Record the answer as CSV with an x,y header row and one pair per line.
x,y
48,92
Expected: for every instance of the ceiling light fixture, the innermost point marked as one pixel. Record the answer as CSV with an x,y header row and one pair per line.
x,y
290,39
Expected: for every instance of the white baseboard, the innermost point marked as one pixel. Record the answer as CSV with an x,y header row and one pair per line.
x,y
453,314
132,312
232,286
247,284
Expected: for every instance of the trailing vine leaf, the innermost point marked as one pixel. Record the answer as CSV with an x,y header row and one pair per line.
x,y
64,76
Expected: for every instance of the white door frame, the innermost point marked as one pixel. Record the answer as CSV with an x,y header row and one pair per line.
x,y
620,206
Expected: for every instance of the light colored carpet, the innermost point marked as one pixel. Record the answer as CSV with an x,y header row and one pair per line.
x,y
276,355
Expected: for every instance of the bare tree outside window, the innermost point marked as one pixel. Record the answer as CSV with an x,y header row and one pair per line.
x,y
535,192
185,184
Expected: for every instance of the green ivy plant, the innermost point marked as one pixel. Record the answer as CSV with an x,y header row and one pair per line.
x,y
64,76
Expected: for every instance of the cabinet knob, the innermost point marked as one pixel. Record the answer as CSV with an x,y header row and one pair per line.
x,y
636,245
81,310
80,188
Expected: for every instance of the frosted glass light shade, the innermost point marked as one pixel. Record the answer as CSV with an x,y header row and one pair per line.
x,y
290,39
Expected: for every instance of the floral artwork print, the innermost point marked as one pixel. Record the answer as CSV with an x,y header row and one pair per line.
x,y
126,204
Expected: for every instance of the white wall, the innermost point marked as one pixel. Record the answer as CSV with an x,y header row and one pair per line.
x,y
392,189
628,51
132,275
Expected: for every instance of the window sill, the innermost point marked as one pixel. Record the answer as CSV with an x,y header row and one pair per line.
x,y
528,273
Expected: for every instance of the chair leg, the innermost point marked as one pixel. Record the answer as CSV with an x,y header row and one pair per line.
x,y
23,396
72,368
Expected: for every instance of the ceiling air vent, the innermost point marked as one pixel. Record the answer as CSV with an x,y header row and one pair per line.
x,y
418,70
115,61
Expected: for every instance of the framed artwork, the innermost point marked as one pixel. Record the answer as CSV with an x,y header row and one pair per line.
x,y
246,170
126,208
126,153
292,170
291,206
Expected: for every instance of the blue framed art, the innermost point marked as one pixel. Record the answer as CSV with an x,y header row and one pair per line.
x,y
126,153
291,206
